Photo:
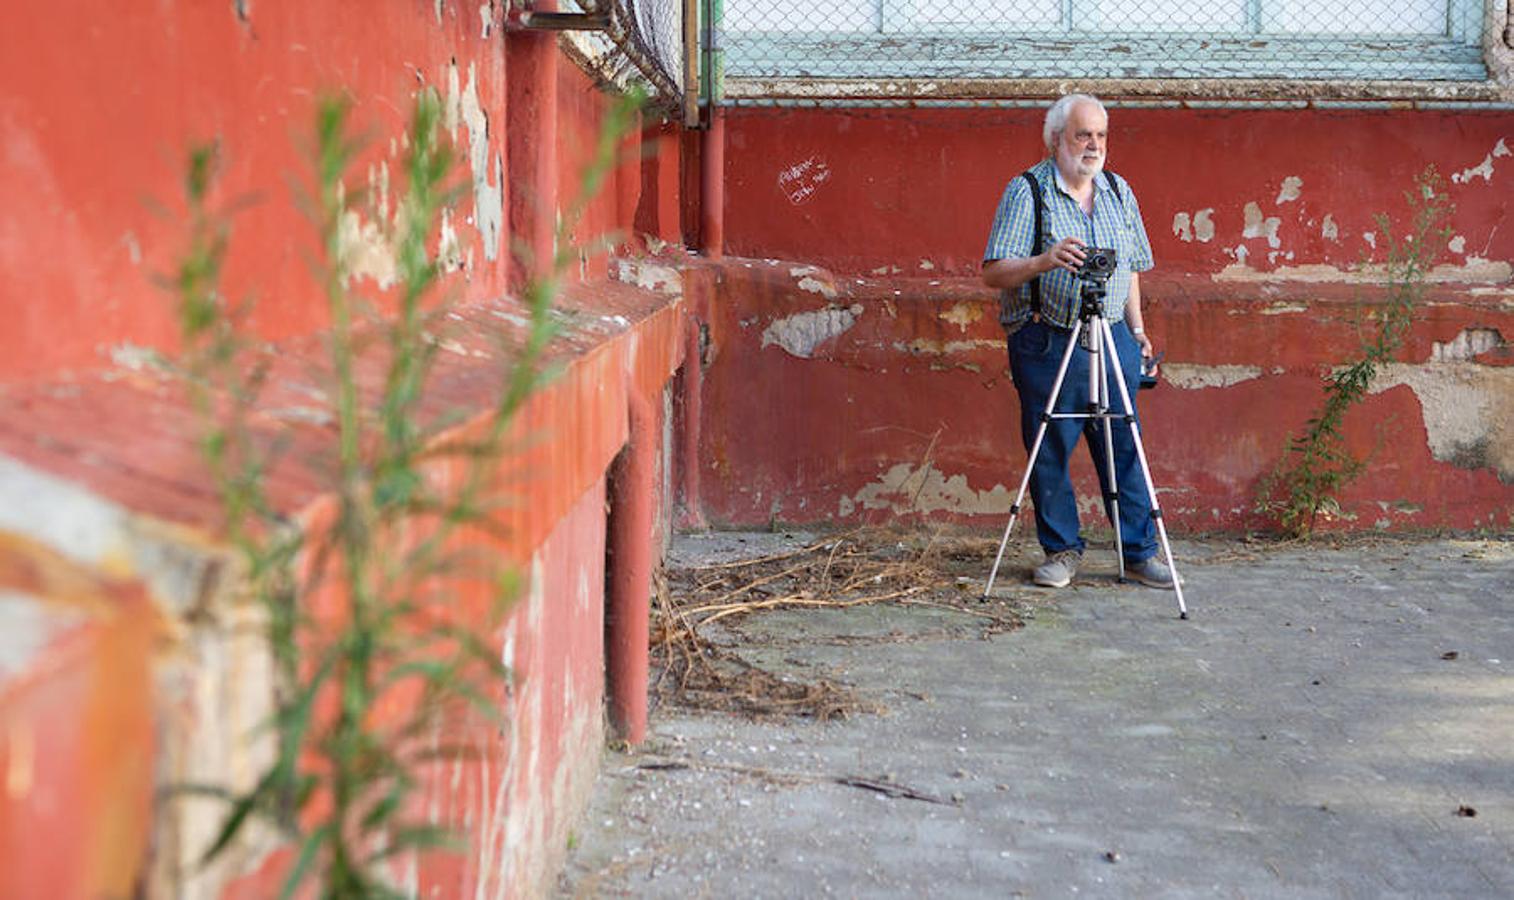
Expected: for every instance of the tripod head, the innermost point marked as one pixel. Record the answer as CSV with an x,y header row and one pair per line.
x,y
1099,264
1090,299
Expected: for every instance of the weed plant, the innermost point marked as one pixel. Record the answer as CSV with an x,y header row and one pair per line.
x,y
1319,464
376,687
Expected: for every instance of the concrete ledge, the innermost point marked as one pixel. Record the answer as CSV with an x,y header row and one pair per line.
x,y
102,469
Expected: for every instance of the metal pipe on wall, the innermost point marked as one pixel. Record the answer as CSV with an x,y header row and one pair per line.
x,y
712,145
531,60
693,412
629,607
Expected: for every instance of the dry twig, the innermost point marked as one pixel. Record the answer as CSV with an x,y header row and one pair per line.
x,y
839,572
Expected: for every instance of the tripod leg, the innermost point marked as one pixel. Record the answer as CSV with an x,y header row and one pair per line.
x,y
1112,492
1035,449
1151,490
1014,510
1105,354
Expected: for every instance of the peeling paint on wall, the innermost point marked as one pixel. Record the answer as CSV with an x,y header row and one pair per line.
x,y
1468,411
463,108
816,286
1474,270
1257,226
823,285
928,347
450,255
963,314
649,276
903,489
1203,225
1192,377
1290,191
1240,272
800,334
1329,230
1495,271
1469,343
365,250
365,242
1199,226
524,828
135,357
1484,168
1182,227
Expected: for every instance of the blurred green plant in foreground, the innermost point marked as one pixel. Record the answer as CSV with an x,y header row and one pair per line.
x,y
375,669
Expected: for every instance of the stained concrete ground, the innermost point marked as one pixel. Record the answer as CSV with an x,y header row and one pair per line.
x,y
1333,721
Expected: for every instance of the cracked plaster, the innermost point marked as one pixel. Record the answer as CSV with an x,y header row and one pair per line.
x,y
1467,408
800,334
904,489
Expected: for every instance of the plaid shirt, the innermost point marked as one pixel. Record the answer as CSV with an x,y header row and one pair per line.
x,y
1116,222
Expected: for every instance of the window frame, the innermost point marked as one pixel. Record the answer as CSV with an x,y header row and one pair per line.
x,y
967,51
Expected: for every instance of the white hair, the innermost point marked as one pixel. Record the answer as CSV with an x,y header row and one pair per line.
x,y
1056,117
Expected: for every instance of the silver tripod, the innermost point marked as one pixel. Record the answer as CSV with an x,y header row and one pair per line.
x,y
1093,329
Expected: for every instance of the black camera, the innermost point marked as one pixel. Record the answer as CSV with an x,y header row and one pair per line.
x,y
1099,263
1148,371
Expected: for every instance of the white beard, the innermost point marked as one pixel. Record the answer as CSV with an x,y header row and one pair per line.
x,y
1089,170
1076,165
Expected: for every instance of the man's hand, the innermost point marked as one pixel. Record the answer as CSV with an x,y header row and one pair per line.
x,y
1147,350
1011,272
1067,254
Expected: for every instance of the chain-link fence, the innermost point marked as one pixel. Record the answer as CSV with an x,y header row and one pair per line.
x,y
1355,40
635,41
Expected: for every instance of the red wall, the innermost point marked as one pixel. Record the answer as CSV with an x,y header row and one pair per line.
x,y
909,369
858,189
99,105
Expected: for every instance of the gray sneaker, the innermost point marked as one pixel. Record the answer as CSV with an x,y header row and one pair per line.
x,y
1058,569
1151,572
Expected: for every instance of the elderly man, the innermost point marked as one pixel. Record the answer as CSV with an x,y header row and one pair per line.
x,y
1081,205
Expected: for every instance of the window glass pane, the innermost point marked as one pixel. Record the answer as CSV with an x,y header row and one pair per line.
x,y
1403,17
989,16
1186,16
801,15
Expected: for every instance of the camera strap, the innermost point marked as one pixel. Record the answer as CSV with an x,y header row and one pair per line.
x,y
1039,202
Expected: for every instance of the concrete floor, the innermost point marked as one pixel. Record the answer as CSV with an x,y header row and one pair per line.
x,y
1332,722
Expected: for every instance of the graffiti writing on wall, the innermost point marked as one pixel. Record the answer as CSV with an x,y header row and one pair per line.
x,y
800,181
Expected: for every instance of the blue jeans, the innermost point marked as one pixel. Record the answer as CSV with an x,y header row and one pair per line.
x,y
1035,352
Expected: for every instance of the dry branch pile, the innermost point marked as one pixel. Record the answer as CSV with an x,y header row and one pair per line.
x,y
836,572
